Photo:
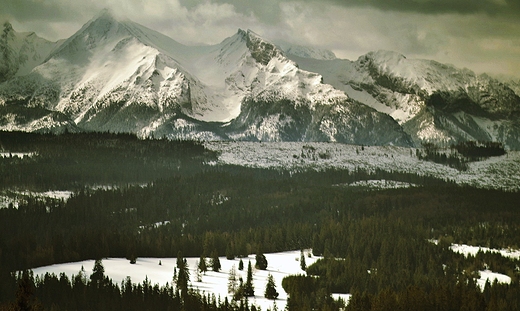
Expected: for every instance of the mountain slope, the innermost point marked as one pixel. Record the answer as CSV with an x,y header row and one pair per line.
x,y
116,75
432,101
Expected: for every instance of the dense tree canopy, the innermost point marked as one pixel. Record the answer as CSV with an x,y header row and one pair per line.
x,y
376,244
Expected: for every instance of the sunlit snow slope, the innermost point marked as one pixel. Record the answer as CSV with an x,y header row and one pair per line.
x,y
116,75
432,101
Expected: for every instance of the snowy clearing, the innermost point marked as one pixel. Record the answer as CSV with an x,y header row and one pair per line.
x,y
280,265
17,197
486,275
473,250
20,155
501,172
378,184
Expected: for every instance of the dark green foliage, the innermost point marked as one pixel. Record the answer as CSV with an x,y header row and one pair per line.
x,y
432,153
202,265
261,261
183,274
379,237
52,292
479,150
461,153
303,264
270,288
248,289
71,161
98,273
215,261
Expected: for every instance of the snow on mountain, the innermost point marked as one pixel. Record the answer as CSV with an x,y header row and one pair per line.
x,y
22,52
307,52
117,75
432,101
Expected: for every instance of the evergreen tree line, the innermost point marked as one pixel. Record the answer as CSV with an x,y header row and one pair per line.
x,y
375,243
52,292
71,161
461,153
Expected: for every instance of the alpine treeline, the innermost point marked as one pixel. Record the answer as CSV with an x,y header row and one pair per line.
x,y
390,248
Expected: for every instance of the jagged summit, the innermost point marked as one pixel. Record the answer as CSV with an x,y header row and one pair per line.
x,y
117,75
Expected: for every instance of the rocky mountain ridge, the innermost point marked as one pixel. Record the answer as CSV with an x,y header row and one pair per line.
x,y
116,75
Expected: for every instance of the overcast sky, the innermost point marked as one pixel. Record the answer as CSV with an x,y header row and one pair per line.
x,y
482,35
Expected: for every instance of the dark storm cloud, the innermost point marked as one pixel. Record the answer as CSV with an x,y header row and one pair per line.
x,y
438,6
269,9
479,34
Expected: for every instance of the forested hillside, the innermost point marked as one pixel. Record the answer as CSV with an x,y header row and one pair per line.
x,y
377,244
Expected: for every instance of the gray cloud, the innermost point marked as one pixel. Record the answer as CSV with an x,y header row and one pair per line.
x,y
478,34
438,6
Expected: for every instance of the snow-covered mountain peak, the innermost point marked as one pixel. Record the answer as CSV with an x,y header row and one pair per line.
x,y
384,56
261,50
31,50
306,51
106,14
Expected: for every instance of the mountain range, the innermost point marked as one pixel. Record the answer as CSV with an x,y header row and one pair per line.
x,y
116,75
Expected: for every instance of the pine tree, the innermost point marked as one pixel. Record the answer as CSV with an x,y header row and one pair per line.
x,y
203,267
249,290
98,273
270,288
215,261
183,273
303,264
261,261
232,280
199,273
240,265
229,252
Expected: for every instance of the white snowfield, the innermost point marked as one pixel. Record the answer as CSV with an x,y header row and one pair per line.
x,y
486,275
495,173
473,250
279,266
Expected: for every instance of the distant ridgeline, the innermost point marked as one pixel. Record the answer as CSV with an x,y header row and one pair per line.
x,y
460,154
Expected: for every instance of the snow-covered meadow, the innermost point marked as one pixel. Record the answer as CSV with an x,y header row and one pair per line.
x,y
279,266
501,172
14,198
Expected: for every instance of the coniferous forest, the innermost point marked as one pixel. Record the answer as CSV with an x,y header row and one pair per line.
x,y
376,244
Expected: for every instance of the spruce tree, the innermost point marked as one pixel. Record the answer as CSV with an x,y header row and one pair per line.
x,y
261,261
98,273
215,261
229,252
240,265
249,290
203,267
303,264
183,274
270,288
232,280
